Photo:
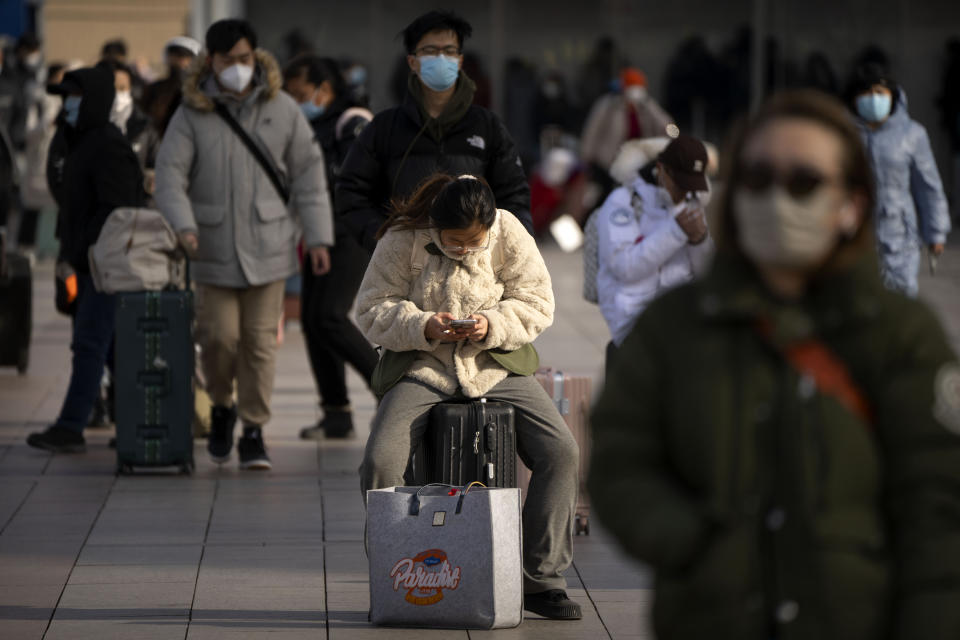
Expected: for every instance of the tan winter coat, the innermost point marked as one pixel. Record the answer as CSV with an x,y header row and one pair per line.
x,y
208,181
396,301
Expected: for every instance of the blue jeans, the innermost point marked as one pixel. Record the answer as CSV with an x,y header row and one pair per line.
x,y
92,341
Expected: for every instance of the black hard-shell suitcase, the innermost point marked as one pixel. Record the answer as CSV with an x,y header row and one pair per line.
x,y
153,375
470,441
16,311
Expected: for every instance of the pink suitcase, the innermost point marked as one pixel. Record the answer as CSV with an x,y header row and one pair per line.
x,y
573,395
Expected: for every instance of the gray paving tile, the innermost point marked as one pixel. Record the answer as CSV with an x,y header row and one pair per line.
x,y
64,628
626,617
133,574
245,628
15,491
262,566
140,555
27,605
36,565
23,629
109,601
230,601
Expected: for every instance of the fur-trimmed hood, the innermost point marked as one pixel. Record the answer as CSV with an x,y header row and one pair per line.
x,y
266,75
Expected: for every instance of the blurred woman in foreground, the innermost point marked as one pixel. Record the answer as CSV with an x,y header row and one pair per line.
x,y
780,440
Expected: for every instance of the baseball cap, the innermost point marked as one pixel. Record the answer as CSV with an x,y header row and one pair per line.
x,y
686,159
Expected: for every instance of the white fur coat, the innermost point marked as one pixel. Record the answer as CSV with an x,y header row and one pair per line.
x,y
396,300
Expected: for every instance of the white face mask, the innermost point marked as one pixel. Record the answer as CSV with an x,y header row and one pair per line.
x,y
236,78
774,229
33,60
635,93
122,108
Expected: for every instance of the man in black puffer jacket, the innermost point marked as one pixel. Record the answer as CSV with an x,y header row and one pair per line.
x,y
100,174
436,129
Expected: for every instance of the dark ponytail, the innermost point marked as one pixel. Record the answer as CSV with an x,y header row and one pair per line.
x,y
444,202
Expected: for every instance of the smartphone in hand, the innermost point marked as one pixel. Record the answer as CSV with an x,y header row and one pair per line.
x,y
466,323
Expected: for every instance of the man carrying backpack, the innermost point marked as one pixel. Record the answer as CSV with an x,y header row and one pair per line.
x,y
238,165
436,129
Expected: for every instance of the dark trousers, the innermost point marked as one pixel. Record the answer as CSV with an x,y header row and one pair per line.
x,y
332,339
93,325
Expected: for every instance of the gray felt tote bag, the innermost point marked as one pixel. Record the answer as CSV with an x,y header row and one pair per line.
x,y
445,557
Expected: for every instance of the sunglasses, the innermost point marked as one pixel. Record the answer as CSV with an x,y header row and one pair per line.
x,y
799,181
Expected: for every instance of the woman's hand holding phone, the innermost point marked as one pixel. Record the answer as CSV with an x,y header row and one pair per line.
x,y
445,327
438,328
478,332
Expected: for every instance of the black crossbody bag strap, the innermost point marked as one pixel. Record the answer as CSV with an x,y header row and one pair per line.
x,y
265,162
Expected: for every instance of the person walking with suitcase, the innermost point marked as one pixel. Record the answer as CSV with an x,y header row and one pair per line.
x,y
456,292
100,174
332,339
236,169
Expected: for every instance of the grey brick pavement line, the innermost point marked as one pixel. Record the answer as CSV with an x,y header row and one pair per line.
x,y
93,525
323,539
6,524
203,551
586,590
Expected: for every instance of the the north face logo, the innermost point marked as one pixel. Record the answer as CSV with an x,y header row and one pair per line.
x,y
477,141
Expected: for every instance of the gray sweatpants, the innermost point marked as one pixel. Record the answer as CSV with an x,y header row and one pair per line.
x,y
544,443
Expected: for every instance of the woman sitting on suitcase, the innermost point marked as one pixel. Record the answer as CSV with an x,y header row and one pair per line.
x,y
447,255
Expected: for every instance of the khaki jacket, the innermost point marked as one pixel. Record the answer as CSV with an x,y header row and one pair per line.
x,y
208,181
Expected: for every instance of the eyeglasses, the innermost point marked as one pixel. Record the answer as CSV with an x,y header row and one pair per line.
x,y
475,248
799,181
431,50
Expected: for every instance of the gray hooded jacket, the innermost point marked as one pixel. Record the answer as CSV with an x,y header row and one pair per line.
x,y
911,205
209,182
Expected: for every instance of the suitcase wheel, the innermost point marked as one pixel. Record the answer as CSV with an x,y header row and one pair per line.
x,y
582,525
23,361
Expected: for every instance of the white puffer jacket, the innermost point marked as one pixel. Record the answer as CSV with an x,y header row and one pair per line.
x,y
642,253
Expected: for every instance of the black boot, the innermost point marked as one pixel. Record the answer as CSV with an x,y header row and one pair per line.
x,y
337,423
220,441
58,440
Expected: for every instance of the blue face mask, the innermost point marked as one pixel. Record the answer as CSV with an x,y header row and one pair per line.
x,y
311,110
71,110
874,107
439,72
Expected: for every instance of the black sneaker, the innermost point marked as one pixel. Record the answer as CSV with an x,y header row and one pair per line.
x,y
253,454
58,440
552,604
220,440
335,424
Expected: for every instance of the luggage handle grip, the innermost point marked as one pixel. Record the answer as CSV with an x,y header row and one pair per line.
x,y
415,499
